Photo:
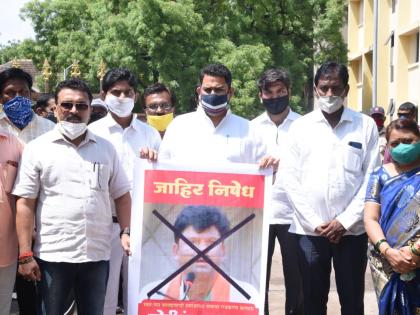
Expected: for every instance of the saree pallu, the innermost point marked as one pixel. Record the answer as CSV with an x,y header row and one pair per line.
x,y
399,197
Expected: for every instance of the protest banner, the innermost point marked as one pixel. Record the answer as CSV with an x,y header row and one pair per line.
x,y
198,237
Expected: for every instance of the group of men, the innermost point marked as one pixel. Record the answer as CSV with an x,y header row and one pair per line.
x,y
73,182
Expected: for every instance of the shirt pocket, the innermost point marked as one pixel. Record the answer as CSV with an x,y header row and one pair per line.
x,y
99,177
352,159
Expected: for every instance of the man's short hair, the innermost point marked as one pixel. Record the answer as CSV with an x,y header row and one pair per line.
x,y
330,67
43,99
408,106
201,218
118,74
272,76
73,84
15,73
157,88
216,70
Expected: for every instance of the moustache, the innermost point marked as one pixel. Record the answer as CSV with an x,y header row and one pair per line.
x,y
73,118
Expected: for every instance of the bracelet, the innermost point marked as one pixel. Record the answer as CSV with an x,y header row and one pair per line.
x,y
26,255
414,250
378,243
25,260
125,230
384,253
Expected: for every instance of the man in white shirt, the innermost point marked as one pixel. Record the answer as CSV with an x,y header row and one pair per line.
x,y
128,135
213,133
16,114
65,182
273,126
325,172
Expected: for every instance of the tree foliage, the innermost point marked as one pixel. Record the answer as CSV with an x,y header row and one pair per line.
x,y
170,41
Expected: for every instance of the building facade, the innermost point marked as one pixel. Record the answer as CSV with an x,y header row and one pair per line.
x,y
398,68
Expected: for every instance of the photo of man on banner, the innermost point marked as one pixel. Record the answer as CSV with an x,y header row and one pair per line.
x,y
197,241
198,229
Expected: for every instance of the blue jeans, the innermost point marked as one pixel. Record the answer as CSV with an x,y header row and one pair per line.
x,y
88,280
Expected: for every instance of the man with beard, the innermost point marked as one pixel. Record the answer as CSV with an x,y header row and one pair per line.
x,y
273,126
65,182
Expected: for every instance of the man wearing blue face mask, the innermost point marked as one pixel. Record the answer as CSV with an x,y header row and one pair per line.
x,y
325,171
273,126
16,114
213,133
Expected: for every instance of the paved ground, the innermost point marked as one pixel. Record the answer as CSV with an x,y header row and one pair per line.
x,y
277,292
277,296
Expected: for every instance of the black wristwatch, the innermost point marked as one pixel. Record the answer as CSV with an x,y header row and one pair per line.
x,y
125,230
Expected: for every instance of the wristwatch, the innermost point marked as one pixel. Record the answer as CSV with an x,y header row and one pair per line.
x,y
125,230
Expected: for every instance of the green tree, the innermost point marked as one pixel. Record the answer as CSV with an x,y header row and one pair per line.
x,y
170,41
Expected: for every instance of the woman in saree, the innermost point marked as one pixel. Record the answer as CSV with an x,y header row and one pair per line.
x,y
392,214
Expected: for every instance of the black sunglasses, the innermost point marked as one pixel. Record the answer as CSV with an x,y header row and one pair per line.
x,y
79,106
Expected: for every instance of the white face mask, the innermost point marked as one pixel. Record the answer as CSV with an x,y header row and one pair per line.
x,y
330,104
121,107
71,130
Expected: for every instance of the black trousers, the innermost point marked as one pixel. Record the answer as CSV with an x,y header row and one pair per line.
x,y
292,278
349,260
26,296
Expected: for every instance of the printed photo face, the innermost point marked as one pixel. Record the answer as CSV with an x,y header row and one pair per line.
x,y
183,252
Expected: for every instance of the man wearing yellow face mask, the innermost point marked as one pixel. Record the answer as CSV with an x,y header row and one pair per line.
x,y
159,105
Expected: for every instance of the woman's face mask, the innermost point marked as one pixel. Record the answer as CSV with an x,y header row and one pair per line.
x,y
406,153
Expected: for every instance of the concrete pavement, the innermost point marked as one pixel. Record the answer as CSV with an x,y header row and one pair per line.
x,y
277,296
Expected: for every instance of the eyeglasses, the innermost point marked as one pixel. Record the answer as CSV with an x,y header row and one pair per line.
x,y
80,107
154,107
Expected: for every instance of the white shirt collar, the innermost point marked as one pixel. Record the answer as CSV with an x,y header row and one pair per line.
x,y
56,135
347,115
110,122
200,111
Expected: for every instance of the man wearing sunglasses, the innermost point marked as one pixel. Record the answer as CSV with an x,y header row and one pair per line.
x,y
128,135
65,183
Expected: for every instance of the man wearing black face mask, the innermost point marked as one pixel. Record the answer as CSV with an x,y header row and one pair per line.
x,y
273,126
213,133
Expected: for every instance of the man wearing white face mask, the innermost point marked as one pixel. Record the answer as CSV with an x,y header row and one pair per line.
x,y
128,135
65,182
325,172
